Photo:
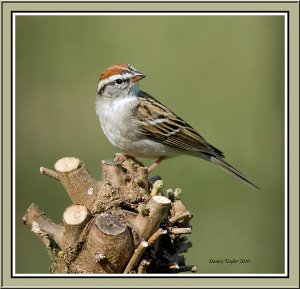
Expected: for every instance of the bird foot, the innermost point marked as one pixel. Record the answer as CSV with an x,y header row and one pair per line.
x,y
132,175
120,158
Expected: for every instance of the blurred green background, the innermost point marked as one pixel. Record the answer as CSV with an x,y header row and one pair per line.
x,y
223,74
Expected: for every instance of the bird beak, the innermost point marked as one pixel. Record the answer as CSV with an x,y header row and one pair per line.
x,y
137,77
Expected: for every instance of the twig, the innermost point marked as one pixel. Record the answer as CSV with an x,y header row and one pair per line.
x,y
185,268
136,256
177,193
178,231
142,247
50,173
174,267
143,266
157,187
156,235
180,217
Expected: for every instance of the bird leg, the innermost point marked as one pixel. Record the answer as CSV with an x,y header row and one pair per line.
x,y
123,157
155,164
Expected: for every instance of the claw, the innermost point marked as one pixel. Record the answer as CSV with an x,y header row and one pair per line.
x,y
120,158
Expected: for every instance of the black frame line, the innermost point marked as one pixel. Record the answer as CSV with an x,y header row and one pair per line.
x,y
2,186
158,1
286,129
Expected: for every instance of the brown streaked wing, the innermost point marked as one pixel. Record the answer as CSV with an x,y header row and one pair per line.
x,y
164,126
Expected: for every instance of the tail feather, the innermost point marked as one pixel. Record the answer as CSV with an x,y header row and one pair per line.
x,y
231,170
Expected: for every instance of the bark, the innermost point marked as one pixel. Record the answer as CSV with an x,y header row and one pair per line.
x,y
121,224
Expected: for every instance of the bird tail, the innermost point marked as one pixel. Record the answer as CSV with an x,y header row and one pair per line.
x,y
231,170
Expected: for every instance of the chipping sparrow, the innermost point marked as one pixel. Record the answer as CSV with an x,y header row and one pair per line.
x,y
139,125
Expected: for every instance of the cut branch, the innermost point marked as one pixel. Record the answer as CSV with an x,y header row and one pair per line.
x,y
108,246
158,207
77,181
42,226
75,218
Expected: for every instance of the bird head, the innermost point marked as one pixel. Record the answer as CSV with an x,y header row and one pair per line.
x,y
118,79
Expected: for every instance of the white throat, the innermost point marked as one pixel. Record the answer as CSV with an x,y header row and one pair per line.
x,y
116,115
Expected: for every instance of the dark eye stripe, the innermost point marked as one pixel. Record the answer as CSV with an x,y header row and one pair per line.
x,y
101,90
121,80
112,82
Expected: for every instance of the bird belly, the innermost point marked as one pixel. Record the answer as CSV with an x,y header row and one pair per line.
x,y
123,131
149,149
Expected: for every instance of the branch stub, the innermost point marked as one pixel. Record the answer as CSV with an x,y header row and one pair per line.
x,y
161,200
67,164
75,214
110,224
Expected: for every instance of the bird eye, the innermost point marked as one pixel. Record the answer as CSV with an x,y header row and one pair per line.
x,y
119,81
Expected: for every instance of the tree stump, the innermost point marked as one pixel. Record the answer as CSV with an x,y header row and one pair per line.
x,y
121,224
